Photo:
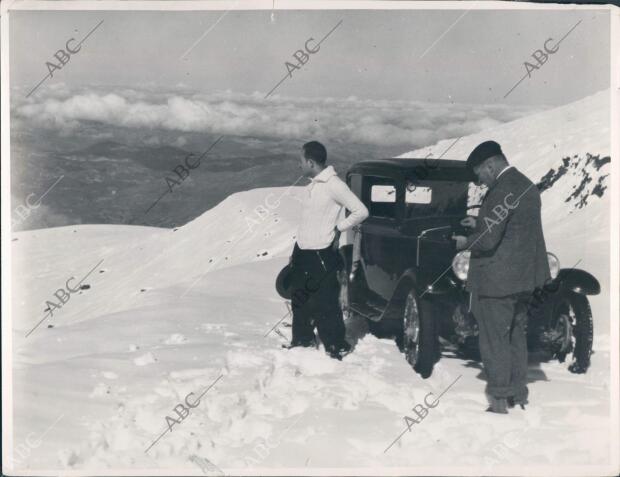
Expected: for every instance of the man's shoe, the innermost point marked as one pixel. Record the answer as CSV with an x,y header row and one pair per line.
x,y
303,344
498,405
521,402
339,353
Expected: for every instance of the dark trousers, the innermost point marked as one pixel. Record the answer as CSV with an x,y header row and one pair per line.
x,y
502,323
314,298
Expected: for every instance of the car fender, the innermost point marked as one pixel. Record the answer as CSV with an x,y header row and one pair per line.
x,y
544,300
572,280
407,280
578,281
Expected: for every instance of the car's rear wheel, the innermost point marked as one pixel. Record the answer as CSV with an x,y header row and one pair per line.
x,y
419,340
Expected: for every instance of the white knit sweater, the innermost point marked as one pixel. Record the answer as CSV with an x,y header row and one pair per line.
x,y
323,209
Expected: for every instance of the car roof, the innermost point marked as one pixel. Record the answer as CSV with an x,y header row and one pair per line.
x,y
421,169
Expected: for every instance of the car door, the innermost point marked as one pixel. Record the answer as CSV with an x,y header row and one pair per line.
x,y
384,249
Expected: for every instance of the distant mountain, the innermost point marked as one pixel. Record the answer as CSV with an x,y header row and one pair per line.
x,y
105,148
119,179
154,157
584,173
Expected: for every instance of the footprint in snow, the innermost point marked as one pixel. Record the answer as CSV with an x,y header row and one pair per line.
x,y
144,360
176,338
100,390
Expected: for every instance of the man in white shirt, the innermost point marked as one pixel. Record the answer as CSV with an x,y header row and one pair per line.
x,y
315,260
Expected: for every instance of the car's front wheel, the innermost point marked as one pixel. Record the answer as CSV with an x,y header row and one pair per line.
x,y
419,340
571,331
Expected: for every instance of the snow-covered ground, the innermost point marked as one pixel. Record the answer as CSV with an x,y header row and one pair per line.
x,y
169,312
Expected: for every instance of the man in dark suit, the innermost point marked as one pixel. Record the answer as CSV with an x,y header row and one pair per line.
x,y
508,261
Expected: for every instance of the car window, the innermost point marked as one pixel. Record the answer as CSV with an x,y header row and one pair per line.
x,y
475,195
415,194
437,197
355,183
380,196
383,193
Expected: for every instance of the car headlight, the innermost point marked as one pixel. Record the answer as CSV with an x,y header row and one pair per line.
x,y
460,264
554,265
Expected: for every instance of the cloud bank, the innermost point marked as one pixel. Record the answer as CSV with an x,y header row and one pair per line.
x,y
349,120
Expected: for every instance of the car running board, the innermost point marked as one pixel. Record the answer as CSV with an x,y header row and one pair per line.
x,y
366,311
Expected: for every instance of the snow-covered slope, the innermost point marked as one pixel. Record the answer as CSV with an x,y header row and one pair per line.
x,y
169,311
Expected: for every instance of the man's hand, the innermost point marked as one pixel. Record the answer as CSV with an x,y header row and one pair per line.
x,y
461,241
469,222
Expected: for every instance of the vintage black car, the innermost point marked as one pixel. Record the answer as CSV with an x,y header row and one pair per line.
x,y
405,277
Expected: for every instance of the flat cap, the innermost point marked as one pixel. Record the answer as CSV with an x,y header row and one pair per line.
x,y
482,152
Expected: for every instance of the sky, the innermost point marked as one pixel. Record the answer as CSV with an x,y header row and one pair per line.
x,y
437,56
